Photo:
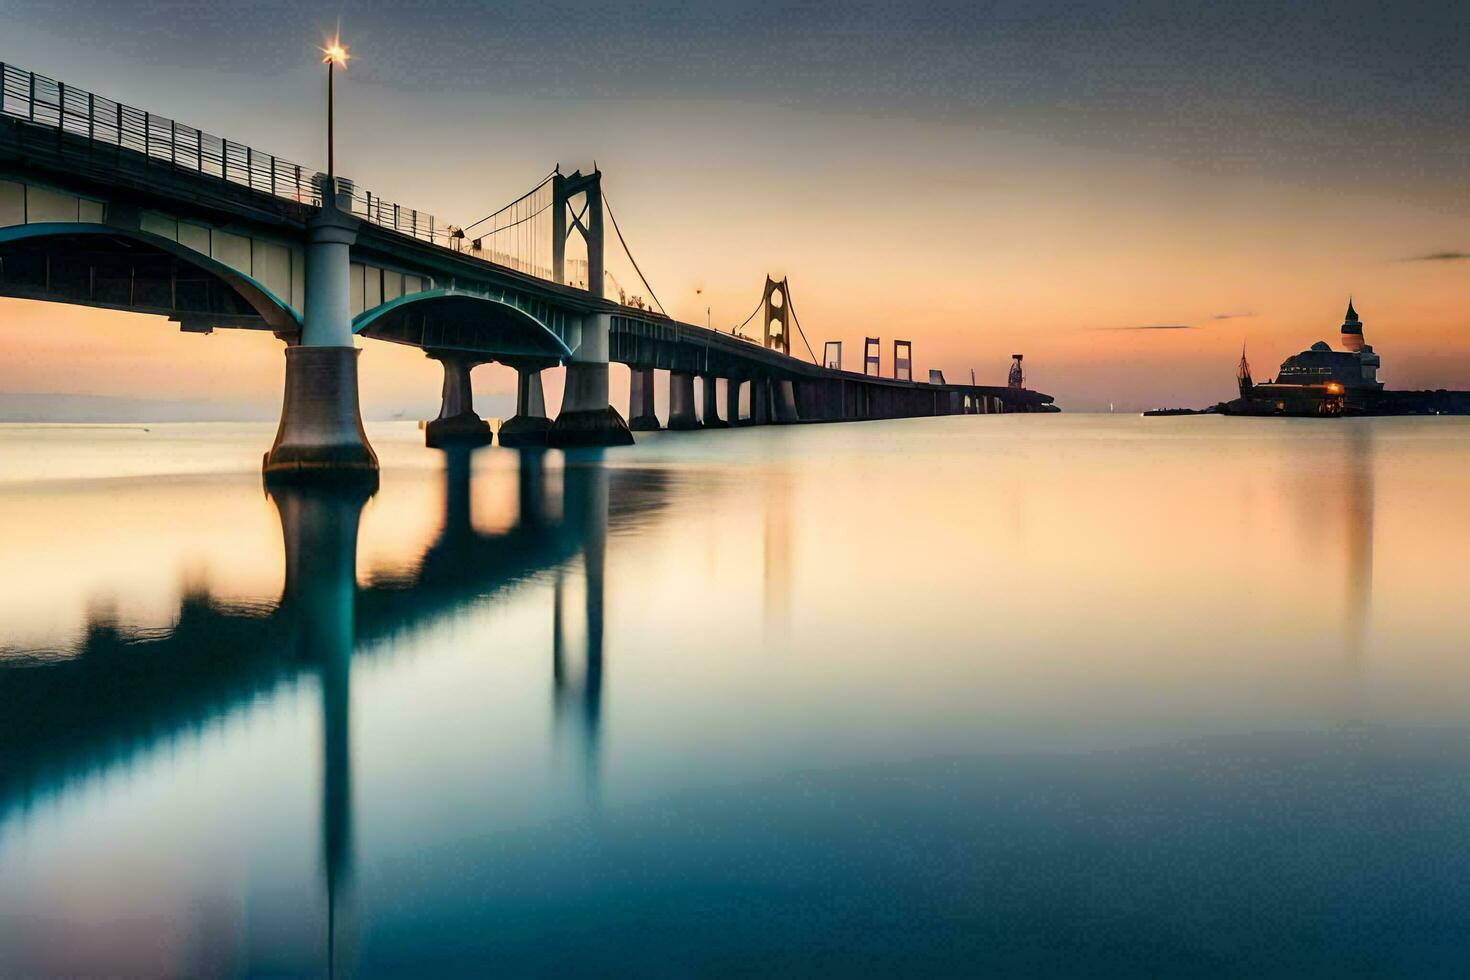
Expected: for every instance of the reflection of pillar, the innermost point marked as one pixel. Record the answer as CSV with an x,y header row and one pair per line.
x,y
585,503
319,528
457,424
641,417
711,413
732,401
531,488
681,401
321,432
458,518
529,425
586,418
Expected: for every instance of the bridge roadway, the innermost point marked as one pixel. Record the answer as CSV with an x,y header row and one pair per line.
x,y
108,206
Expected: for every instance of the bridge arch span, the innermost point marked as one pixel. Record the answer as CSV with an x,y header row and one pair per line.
x,y
81,263
473,323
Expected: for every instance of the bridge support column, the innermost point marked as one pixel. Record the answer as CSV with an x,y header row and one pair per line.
x,y
711,414
784,395
321,434
732,401
529,426
586,418
760,401
457,424
641,417
681,401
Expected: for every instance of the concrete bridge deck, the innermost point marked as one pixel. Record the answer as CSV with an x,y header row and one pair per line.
x,y
109,206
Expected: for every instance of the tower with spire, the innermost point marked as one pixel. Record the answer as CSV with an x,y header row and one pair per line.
x,y
1352,330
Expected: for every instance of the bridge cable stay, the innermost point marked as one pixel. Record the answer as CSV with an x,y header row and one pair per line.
x,y
607,205
735,331
539,184
792,307
515,239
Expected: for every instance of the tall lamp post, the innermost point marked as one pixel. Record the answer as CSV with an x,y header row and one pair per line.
x,y
334,55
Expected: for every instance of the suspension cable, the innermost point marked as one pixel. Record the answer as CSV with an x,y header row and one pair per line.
x,y
608,205
539,184
792,307
521,221
734,331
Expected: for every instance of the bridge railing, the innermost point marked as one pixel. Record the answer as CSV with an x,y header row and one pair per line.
x,y
46,102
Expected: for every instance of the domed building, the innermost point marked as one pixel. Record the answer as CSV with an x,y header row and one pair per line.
x,y
1355,367
1322,382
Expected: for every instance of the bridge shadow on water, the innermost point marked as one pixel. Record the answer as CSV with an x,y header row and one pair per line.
x,y
119,694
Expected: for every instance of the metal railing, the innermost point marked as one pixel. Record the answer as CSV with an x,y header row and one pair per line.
x,y
46,102
42,101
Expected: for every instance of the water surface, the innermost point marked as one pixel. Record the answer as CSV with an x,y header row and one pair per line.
x,y
1051,694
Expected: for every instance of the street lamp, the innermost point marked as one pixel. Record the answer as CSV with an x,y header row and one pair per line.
x,y
334,55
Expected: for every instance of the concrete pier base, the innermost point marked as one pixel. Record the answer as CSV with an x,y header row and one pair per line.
x,y
682,416
586,419
711,415
760,401
457,424
641,416
732,401
320,436
784,396
529,426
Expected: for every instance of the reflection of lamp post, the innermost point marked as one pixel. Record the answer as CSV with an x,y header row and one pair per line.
x,y
333,55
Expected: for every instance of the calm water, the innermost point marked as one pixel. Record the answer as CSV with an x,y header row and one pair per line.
x,y
1038,694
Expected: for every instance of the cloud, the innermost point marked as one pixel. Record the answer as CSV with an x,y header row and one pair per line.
x,y
1439,257
1154,326
1231,316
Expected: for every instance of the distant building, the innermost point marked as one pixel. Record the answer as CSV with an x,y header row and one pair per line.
x,y
1355,367
1321,381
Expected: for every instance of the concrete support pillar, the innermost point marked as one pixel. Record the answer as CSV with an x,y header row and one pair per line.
x,y
457,424
681,401
732,401
783,393
760,401
586,418
321,435
529,425
711,413
641,417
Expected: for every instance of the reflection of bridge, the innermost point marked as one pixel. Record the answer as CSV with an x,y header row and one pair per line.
x,y
108,206
120,693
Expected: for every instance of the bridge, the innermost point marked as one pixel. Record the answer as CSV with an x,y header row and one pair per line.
x,y
106,205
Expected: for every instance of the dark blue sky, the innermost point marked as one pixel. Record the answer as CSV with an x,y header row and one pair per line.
x,y
1366,91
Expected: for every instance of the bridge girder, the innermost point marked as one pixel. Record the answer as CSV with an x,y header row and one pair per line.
x,y
501,327
88,264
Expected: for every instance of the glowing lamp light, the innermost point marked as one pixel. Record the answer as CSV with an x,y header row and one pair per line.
x,y
335,53
1334,388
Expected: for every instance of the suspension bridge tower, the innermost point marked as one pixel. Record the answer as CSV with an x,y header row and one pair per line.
x,y
776,305
586,417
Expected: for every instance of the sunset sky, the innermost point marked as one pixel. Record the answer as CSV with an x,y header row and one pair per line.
x,y
1126,193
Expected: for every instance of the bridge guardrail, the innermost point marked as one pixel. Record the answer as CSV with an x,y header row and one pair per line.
x,y
43,101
